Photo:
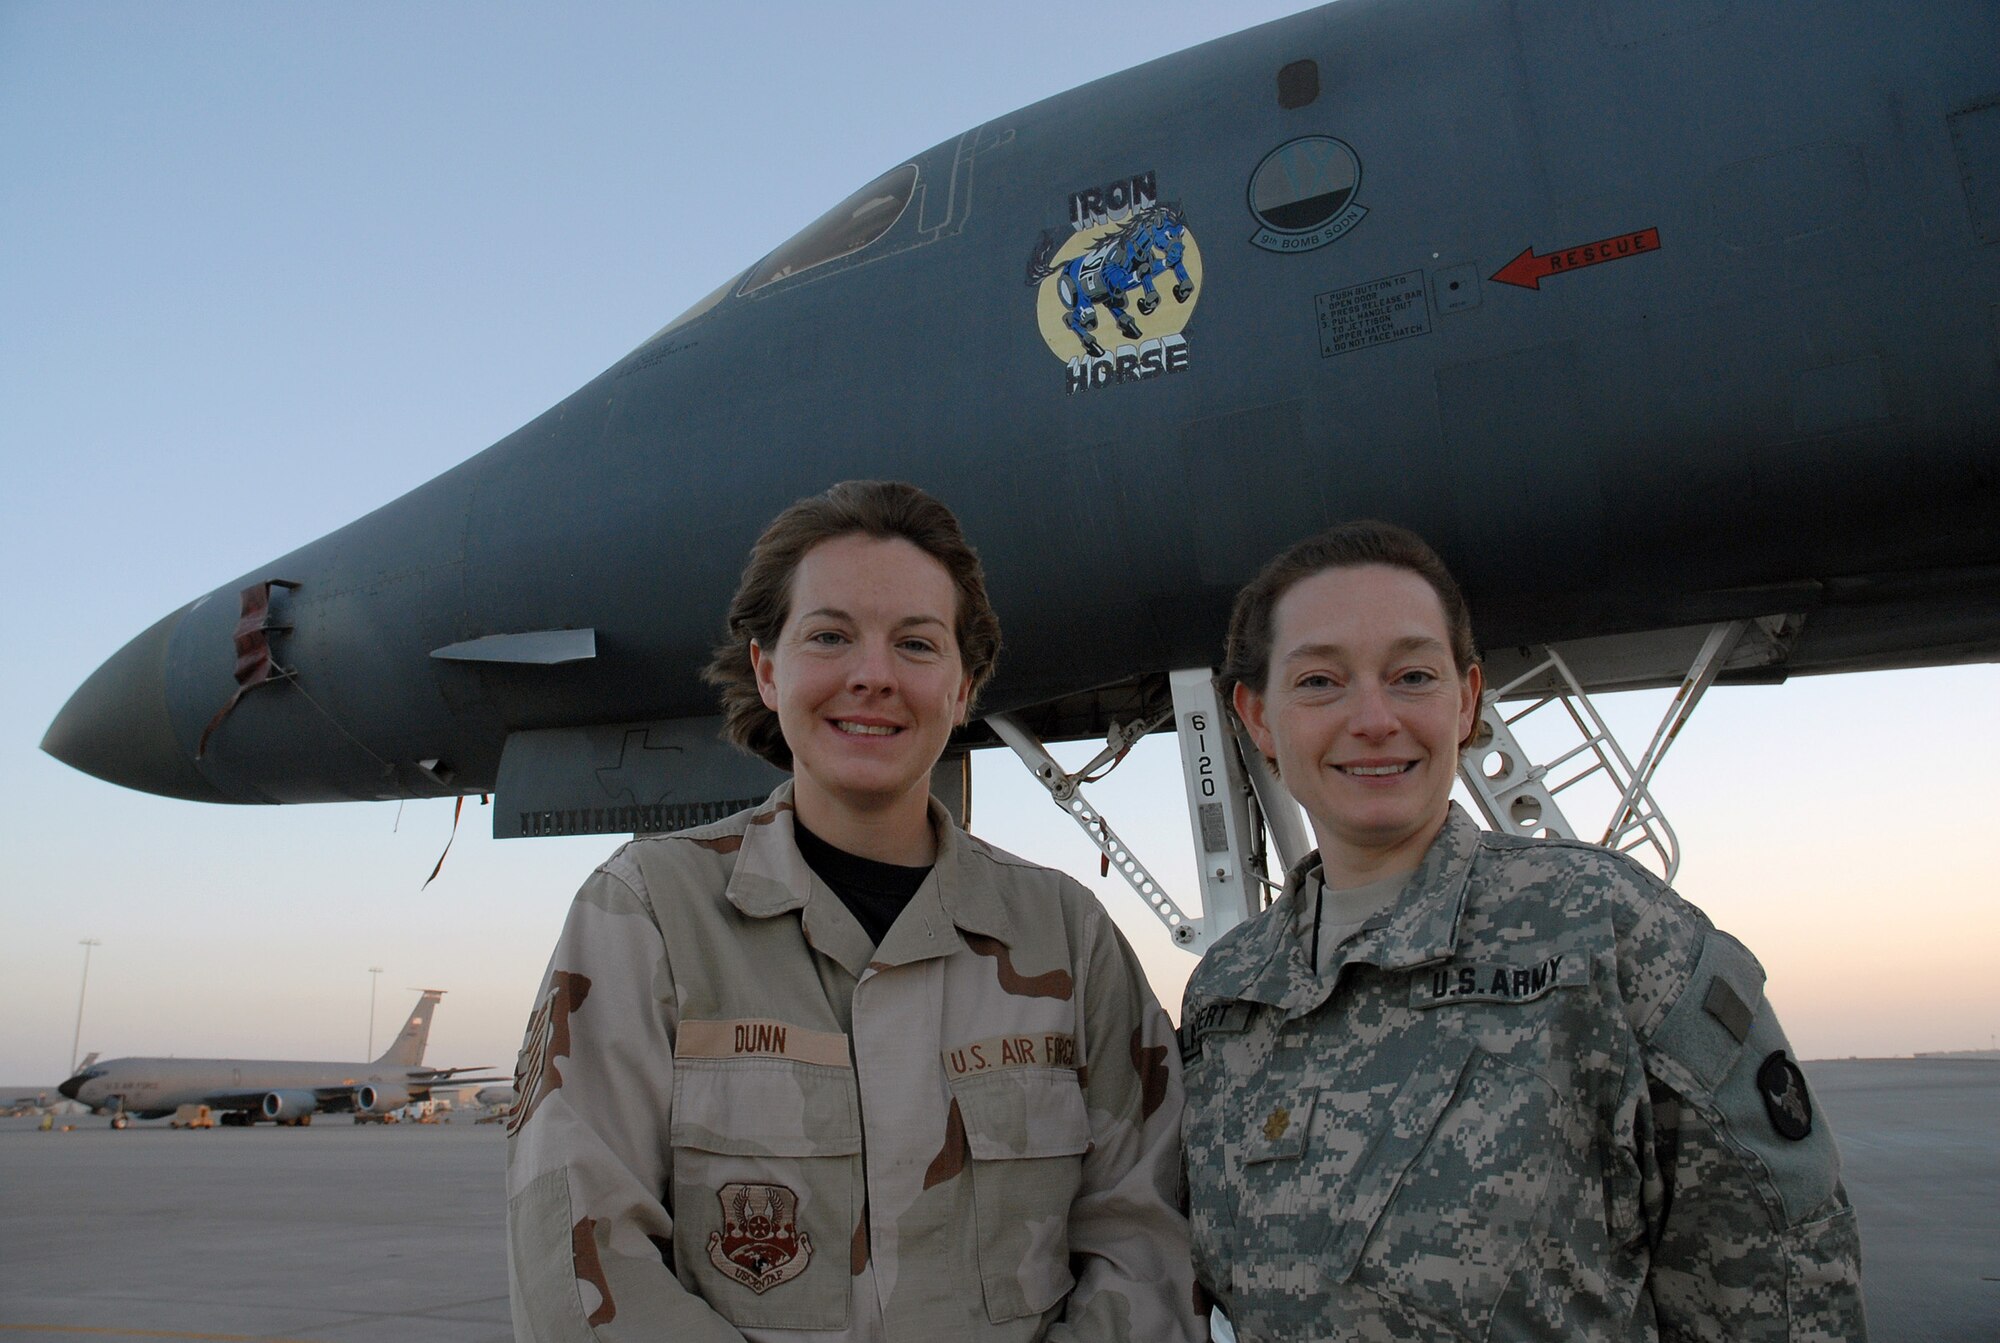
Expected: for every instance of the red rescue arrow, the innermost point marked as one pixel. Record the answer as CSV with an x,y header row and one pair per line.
x,y
1528,270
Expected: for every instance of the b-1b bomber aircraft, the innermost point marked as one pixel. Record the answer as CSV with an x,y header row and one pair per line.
x,y
1675,327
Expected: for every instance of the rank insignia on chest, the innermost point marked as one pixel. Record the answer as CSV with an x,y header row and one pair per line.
x,y
760,1244
1275,1126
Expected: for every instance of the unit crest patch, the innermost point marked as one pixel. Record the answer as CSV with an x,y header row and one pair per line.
x,y
1302,194
760,1244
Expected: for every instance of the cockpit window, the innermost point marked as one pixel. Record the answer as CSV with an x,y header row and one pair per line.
x,y
846,228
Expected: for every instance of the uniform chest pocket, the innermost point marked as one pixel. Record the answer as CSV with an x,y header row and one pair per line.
x,y
1277,1191
766,1188
1445,1199
1026,1131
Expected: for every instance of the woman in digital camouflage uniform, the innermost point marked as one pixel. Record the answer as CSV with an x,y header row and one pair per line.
x,y
1456,1084
831,1068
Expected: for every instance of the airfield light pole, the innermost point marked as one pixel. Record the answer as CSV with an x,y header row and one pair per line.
x,y
77,1039
374,978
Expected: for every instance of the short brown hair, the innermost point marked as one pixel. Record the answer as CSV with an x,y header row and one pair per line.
x,y
1246,659
884,509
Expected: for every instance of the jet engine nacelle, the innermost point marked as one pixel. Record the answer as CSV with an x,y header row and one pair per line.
x,y
289,1107
374,1100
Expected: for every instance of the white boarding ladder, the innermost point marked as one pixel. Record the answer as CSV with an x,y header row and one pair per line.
x,y
1235,805
1519,797
1238,810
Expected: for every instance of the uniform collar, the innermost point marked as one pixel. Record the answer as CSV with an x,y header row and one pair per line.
x,y
1271,963
1421,926
771,878
1264,961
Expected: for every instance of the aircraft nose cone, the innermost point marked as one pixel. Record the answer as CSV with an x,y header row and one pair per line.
x,y
71,1087
116,725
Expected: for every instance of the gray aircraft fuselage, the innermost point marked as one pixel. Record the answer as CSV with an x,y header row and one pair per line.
x,y
152,1087
1647,316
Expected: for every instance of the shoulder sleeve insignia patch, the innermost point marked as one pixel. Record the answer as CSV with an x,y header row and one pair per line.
x,y
1786,1100
535,1073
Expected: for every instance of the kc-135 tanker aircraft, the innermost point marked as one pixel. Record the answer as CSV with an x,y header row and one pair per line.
x,y
1675,327
286,1090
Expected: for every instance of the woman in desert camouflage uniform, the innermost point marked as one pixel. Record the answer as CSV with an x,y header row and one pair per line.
x,y
832,1068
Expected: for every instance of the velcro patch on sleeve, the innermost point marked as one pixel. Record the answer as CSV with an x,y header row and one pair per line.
x,y
1494,982
1726,1005
755,1038
1693,1033
1039,1049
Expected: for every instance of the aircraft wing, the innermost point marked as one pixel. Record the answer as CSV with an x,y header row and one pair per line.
x,y
425,1083
336,1097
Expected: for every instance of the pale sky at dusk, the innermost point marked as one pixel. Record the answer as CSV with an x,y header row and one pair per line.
x,y
267,267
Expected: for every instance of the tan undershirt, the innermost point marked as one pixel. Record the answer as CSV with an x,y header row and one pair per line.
x,y
1342,913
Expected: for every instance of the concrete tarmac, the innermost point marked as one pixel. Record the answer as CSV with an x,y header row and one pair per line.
x,y
339,1234
335,1233
1920,1152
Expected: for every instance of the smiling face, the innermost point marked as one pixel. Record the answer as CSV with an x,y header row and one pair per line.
x,y
867,684
1363,711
